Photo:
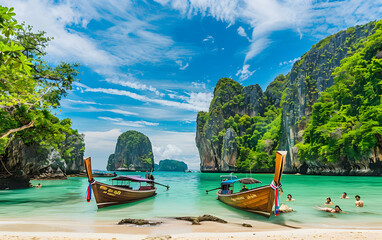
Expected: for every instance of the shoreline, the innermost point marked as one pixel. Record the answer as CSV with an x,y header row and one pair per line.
x,y
306,234
13,229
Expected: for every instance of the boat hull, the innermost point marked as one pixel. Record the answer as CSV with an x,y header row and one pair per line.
x,y
108,195
258,200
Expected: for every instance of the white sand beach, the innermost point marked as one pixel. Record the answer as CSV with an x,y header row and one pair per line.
x,y
175,229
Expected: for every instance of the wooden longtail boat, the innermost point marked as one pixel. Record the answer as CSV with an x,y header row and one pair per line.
x,y
109,195
258,200
103,174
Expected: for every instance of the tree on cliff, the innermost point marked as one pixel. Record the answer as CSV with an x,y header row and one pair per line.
x,y
29,86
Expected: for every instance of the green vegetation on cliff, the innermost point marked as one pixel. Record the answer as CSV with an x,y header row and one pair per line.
x,y
256,127
346,121
133,152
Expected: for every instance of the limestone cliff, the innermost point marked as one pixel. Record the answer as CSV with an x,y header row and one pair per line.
x,y
133,152
35,160
217,144
245,126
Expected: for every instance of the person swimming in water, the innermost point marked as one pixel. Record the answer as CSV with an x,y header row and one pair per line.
x,y
289,198
358,201
344,196
336,209
328,201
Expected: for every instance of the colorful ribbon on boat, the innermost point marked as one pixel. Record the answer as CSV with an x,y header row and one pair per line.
x,y
276,188
89,191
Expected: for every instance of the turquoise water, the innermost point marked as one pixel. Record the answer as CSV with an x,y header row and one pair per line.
x,y
65,200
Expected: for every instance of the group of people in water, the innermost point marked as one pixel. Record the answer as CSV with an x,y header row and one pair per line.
x,y
37,186
336,209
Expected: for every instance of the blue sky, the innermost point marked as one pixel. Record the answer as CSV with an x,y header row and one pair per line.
x,y
151,66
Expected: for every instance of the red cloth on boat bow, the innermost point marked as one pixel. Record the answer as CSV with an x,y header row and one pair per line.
x,y
89,191
276,188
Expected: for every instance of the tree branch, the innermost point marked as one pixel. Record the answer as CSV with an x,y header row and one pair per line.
x,y
29,125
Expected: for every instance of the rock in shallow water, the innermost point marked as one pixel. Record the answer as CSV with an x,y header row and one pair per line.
x,y
285,208
197,220
138,222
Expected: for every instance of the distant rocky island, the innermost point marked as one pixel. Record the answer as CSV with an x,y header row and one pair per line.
x,y
133,152
172,166
326,113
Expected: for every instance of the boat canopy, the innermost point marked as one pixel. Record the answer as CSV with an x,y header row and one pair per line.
x,y
241,180
249,181
228,182
132,178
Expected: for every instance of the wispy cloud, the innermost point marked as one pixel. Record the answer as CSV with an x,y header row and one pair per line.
x,y
209,38
129,81
290,62
266,17
181,65
194,102
120,121
68,104
199,85
66,45
244,73
81,102
125,41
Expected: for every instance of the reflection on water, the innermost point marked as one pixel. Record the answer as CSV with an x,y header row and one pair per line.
x,y
65,200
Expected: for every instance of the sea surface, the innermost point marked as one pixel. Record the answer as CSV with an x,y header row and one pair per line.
x,y
64,200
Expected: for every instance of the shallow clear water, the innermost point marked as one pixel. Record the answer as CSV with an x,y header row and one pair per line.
x,y
65,200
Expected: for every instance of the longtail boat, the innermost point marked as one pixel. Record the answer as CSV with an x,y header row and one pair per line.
x,y
258,200
103,174
121,192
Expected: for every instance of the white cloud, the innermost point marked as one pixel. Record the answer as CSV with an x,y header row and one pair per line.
x,y
200,100
127,41
169,151
199,85
133,39
242,32
244,73
266,17
209,39
181,65
133,83
66,45
81,102
166,114
194,102
118,111
121,122
290,62
66,103
219,9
